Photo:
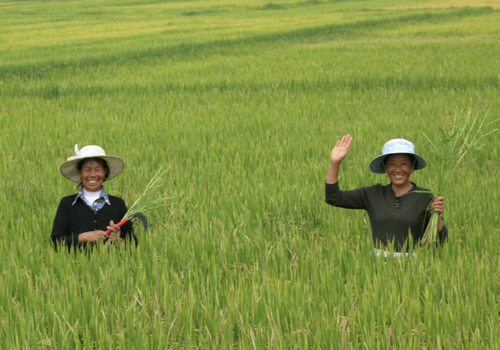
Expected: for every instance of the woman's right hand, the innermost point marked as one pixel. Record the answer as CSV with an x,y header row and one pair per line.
x,y
92,236
341,149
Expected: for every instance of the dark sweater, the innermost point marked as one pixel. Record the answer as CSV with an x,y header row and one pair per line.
x,y
390,216
71,220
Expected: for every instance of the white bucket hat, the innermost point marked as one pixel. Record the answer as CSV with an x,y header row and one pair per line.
x,y
396,146
69,170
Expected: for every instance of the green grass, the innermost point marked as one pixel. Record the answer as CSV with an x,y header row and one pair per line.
x,y
242,102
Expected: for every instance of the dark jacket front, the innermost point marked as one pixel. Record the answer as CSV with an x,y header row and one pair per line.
x,y
73,219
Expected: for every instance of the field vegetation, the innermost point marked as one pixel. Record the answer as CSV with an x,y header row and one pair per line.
x,y
242,102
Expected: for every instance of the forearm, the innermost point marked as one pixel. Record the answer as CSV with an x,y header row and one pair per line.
x,y
84,237
440,224
333,173
95,236
443,232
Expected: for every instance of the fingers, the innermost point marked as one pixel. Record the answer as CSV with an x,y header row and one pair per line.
x,y
113,227
100,236
345,141
115,230
438,199
438,204
341,149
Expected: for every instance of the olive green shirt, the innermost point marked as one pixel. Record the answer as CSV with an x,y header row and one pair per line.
x,y
390,216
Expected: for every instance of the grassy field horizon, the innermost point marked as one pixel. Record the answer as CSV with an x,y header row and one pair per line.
x,y
242,103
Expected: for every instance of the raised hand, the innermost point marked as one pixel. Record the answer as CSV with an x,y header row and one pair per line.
x,y
341,149
339,152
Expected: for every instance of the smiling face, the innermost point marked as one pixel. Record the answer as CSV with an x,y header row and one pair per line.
x,y
399,167
93,172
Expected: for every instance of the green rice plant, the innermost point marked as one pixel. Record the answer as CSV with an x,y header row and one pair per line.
x,y
465,136
148,199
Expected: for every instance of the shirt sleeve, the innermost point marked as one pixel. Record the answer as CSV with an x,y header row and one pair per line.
x,y
61,234
352,199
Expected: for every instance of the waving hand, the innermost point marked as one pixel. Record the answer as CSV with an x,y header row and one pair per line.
x,y
341,149
338,154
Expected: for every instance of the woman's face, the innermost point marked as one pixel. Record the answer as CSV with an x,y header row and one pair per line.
x,y
399,167
92,175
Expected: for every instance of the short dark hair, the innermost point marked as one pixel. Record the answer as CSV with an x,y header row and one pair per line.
x,y
412,158
101,161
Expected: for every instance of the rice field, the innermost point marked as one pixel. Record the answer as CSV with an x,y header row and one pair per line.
x,y
242,102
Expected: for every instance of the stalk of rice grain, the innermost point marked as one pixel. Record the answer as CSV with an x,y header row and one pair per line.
x,y
144,201
453,151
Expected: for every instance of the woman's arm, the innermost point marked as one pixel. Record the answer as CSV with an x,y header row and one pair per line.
x,y
100,235
338,154
61,234
438,206
94,236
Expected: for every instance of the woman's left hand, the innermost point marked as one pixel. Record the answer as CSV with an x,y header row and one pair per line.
x,y
115,230
438,204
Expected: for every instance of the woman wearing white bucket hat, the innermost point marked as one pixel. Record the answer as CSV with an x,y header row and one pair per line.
x,y
82,218
393,209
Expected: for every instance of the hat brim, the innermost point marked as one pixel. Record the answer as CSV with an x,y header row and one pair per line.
x,y
68,169
377,164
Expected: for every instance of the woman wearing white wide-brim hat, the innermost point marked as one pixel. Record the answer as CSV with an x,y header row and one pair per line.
x,y
396,208
82,218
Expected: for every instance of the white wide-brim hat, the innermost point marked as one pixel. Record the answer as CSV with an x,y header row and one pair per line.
x,y
396,146
69,170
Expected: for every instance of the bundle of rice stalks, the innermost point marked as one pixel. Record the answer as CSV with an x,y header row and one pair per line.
x,y
455,150
145,201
